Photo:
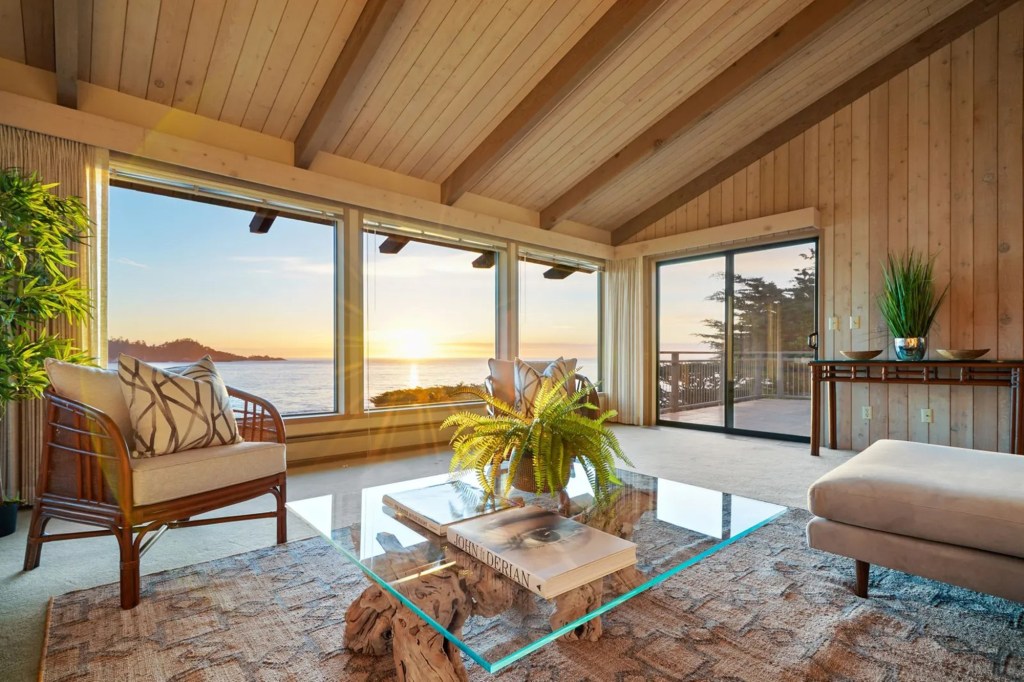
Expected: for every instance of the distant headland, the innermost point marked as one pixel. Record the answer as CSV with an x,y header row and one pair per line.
x,y
179,350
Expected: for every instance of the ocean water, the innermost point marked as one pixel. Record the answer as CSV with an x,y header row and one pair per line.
x,y
304,386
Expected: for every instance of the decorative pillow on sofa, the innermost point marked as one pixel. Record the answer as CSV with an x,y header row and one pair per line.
x,y
171,412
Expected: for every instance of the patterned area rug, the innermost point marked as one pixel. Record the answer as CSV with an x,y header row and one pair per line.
x,y
765,608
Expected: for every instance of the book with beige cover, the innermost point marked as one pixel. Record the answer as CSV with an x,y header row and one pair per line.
x,y
542,551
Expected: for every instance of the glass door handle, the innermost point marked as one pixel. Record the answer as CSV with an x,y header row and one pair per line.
x,y
812,341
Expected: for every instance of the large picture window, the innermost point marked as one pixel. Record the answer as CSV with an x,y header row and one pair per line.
x,y
559,312
429,305
187,278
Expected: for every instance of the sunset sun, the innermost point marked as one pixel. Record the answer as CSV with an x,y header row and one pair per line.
x,y
413,344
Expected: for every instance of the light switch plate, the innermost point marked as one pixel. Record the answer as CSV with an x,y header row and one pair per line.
x,y
927,416
854,321
833,324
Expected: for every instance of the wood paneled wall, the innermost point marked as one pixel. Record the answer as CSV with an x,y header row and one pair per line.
x,y
932,161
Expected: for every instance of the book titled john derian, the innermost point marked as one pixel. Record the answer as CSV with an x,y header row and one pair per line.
x,y
438,506
542,551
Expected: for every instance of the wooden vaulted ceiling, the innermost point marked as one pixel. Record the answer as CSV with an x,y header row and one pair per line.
x,y
609,113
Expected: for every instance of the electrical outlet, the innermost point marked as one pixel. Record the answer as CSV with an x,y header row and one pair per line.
x,y
865,412
833,324
926,415
854,321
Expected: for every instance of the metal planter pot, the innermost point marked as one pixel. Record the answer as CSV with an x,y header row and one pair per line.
x,y
911,348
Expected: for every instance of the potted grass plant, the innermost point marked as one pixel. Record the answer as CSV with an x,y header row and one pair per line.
x,y
37,231
535,451
908,302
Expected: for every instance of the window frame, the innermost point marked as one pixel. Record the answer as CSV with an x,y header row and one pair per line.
x,y
126,175
348,224
444,237
541,256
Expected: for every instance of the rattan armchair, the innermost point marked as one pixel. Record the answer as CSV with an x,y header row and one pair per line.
x,y
88,477
503,386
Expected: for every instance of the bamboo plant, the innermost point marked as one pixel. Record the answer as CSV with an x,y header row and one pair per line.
x,y
553,436
908,302
37,231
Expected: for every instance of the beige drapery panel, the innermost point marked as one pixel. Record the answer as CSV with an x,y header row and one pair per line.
x,y
81,171
625,340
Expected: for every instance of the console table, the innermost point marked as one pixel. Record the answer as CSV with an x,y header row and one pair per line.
x,y
1005,373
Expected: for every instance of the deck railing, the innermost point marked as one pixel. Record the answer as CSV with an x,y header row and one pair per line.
x,y
693,379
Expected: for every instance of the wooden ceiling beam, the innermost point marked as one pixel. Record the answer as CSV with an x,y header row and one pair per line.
x,y
65,51
617,24
262,220
804,27
922,45
364,41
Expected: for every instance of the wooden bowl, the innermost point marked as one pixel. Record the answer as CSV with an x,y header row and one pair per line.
x,y
973,354
859,354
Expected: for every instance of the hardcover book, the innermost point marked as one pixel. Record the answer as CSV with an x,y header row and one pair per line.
x,y
438,506
542,551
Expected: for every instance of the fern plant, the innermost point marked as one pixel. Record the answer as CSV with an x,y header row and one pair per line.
x,y
553,435
908,303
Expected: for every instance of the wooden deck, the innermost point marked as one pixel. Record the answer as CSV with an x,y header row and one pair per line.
x,y
767,414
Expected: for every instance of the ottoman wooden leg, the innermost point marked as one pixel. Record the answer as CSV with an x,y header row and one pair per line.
x,y
863,568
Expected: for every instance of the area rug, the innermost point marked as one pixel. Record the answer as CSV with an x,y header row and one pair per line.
x,y
765,608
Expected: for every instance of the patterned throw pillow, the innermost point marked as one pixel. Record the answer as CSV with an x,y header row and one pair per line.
x,y
527,385
559,370
528,380
171,412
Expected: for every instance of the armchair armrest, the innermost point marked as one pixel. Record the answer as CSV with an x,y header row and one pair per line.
x,y
592,397
257,418
85,455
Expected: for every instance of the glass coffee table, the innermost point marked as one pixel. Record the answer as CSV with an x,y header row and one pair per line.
x,y
427,601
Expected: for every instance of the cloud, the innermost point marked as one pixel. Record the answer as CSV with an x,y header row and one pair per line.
x,y
132,263
286,265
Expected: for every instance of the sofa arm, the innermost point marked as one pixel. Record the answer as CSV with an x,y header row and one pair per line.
x,y
257,418
85,455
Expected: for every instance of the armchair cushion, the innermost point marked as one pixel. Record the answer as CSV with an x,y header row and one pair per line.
x,y
171,412
98,388
502,380
158,479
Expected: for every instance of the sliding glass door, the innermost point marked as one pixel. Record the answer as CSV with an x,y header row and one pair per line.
x,y
732,340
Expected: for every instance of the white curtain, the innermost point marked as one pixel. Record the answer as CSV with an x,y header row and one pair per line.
x,y
81,171
625,339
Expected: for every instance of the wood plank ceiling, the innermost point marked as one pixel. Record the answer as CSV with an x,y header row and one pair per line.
x,y
440,77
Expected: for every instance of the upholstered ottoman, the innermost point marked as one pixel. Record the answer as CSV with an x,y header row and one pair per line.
x,y
949,514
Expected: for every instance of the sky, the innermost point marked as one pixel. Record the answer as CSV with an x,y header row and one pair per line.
x,y
180,268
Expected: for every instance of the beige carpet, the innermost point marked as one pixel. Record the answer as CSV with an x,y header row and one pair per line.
x,y
766,608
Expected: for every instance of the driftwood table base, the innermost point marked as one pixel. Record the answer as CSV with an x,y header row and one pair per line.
x,y
576,604
377,621
421,652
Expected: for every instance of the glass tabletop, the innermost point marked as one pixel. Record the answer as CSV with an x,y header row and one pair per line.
x,y
674,525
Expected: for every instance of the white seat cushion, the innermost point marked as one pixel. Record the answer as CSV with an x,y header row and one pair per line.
x,y
970,498
180,474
